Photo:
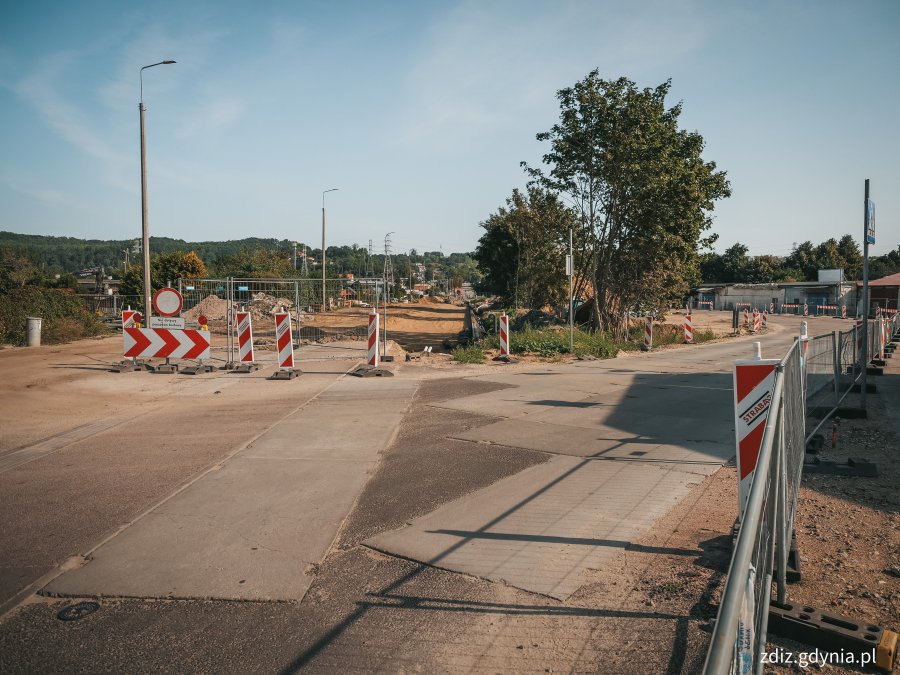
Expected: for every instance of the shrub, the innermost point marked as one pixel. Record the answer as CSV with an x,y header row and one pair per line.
x,y
470,354
65,316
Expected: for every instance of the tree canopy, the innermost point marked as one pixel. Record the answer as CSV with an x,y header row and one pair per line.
x,y
639,186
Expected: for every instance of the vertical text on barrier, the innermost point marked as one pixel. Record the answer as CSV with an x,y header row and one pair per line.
x,y
372,352
754,383
284,340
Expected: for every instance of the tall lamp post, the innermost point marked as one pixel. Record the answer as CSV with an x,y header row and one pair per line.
x,y
144,224
323,244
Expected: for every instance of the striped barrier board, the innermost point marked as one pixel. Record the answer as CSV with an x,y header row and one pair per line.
x,y
164,343
688,328
765,320
648,333
805,309
843,311
245,337
754,384
129,318
705,303
755,328
284,341
504,335
373,340
746,317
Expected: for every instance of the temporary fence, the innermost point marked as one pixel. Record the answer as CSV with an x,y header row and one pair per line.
x,y
762,546
816,375
348,303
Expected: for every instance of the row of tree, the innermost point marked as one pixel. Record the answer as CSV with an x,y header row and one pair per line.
x,y
636,195
252,257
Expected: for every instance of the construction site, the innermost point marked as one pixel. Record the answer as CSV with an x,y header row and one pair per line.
x,y
519,514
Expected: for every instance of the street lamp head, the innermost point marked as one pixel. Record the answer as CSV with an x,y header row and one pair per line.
x,y
168,62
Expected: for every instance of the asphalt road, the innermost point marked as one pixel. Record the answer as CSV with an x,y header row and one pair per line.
x,y
360,610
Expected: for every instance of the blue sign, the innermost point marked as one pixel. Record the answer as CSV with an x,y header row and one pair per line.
x,y
243,288
870,222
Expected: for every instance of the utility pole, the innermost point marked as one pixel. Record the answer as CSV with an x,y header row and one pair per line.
x,y
570,270
295,256
868,237
305,264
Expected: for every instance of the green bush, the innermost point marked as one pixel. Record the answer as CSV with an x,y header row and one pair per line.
x,y
65,316
470,354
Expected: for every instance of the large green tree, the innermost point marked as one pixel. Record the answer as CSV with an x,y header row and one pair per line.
x,y
640,187
165,269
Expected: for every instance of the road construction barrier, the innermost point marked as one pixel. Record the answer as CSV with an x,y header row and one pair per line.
x,y
825,309
746,316
688,328
284,341
373,340
245,337
165,343
504,335
843,311
765,320
705,303
648,333
805,309
755,320
790,306
877,311
771,308
129,318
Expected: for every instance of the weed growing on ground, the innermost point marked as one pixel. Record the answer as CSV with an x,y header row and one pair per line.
x,y
470,354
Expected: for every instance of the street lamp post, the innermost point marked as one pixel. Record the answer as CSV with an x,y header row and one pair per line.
x,y
144,222
323,244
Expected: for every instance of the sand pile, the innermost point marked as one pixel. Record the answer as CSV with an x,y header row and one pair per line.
x,y
212,306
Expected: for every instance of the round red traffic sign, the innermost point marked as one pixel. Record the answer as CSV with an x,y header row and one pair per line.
x,y
167,301
138,317
202,320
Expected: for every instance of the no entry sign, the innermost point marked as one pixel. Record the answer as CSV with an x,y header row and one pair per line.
x,y
167,302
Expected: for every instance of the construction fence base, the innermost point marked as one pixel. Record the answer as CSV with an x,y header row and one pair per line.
x,y
163,368
127,366
200,368
371,371
245,368
285,374
854,466
832,633
505,358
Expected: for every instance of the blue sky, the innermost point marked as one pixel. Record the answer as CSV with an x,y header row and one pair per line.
x,y
420,112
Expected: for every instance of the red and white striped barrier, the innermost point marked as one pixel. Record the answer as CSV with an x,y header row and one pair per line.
x,y
765,321
889,311
129,318
688,328
504,335
880,338
877,312
827,308
843,311
648,333
805,309
746,318
755,320
373,340
771,308
705,303
754,383
245,337
284,341
790,305
164,343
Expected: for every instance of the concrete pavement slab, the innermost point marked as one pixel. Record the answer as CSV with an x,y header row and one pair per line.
x,y
542,529
250,529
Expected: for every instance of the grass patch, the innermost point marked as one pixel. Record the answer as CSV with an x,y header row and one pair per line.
x,y
470,354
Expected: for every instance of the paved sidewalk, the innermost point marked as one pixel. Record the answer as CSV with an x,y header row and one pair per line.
x,y
630,439
252,528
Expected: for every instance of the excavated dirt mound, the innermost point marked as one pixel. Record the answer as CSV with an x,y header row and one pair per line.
x,y
211,306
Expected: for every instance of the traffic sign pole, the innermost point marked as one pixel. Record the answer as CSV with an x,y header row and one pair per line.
x,y
864,354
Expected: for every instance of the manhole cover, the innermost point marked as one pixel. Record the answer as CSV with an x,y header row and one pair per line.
x,y
77,611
